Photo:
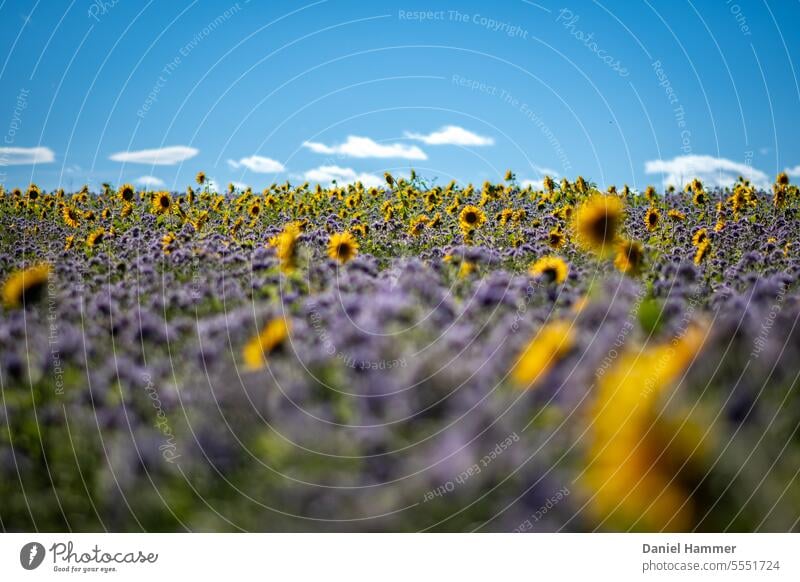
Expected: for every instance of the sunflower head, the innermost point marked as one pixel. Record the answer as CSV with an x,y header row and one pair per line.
x,y
95,237
200,178
126,193
550,344
286,245
471,218
597,221
162,203
551,268
71,216
556,238
33,192
26,286
703,250
700,237
630,257
271,338
342,247
652,218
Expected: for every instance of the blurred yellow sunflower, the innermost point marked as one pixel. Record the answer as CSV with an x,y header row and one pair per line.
x,y
630,257
550,344
635,454
597,221
342,247
25,286
552,268
272,336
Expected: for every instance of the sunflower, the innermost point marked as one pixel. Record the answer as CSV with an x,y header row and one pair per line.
x,y
465,269
126,210
597,221
418,225
25,286
126,193
471,218
630,257
33,192
71,216
555,238
161,203
272,337
200,178
702,251
550,344
68,242
676,215
95,237
167,242
637,450
342,247
552,268
652,218
254,210
700,197
286,245
700,237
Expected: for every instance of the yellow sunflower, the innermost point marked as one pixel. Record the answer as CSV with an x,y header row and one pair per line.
x,y
652,218
272,337
95,237
126,193
33,192
418,225
342,247
552,268
471,218
286,245
636,449
597,221
550,344
71,216
702,251
676,215
161,203
700,237
25,286
630,257
555,238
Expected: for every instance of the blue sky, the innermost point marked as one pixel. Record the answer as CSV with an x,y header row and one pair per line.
x,y
257,92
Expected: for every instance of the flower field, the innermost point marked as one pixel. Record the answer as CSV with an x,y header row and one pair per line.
x,y
401,358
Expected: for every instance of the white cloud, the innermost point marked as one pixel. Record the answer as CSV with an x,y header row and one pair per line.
x,y
452,135
149,181
168,156
326,174
535,184
364,147
24,156
793,172
710,170
258,164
